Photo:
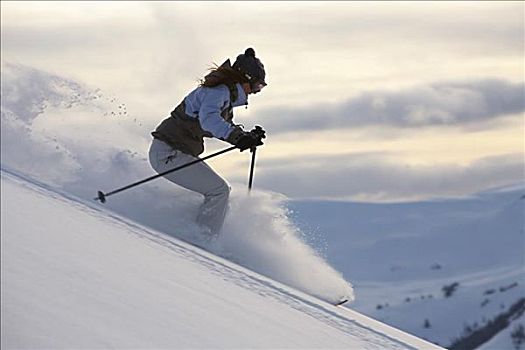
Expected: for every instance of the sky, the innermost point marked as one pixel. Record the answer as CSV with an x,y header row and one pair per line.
x,y
372,101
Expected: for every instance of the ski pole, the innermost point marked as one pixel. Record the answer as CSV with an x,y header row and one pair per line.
x,y
102,196
252,168
260,134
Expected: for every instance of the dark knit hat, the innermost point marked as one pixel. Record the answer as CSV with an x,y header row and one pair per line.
x,y
250,66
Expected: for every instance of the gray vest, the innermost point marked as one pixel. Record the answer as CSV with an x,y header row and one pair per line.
x,y
184,133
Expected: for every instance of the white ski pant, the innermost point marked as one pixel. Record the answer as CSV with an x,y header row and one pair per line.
x,y
199,177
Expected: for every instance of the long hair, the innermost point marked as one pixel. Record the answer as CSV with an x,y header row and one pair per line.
x,y
223,74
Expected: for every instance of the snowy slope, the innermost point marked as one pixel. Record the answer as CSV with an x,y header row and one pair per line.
x,y
504,340
77,276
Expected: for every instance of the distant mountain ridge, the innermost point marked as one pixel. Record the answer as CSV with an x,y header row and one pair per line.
x,y
402,256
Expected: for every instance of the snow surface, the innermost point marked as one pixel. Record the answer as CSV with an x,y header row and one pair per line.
x,y
78,276
504,340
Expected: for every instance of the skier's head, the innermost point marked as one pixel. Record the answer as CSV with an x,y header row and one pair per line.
x,y
252,70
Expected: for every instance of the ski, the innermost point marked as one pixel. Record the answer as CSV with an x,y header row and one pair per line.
x,y
341,302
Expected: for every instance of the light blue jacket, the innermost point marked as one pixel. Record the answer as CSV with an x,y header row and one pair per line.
x,y
208,104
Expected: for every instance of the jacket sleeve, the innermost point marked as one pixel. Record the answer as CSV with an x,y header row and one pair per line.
x,y
215,99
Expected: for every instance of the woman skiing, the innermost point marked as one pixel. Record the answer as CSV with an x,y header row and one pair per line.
x,y
207,111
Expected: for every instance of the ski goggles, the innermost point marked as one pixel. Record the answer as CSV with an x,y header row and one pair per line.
x,y
257,86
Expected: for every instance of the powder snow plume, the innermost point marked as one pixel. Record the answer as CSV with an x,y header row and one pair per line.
x,y
77,139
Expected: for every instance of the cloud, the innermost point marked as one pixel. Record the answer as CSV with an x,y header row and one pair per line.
x,y
152,53
443,103
376,177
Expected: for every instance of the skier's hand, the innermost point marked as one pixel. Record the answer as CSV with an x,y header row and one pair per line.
x,y
258,132
248,140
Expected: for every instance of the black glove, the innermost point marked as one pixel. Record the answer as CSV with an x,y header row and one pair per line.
x,y
248,140
258,132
